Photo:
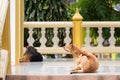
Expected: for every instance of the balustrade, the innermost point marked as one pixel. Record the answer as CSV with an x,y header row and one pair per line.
x,y
59,36
56,49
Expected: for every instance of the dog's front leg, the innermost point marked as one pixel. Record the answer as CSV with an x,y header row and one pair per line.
x,y
77,69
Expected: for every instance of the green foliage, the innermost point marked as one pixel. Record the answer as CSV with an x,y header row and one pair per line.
x,y
25,36
46,10
98,10
37,35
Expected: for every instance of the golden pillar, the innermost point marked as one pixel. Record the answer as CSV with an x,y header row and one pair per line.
x,y
6,38
77,29
19,29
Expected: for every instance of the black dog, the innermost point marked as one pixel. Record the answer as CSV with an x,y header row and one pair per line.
x,y
31,55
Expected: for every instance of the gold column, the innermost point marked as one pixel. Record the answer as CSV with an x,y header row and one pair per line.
x,y
6,38
77,29
19,29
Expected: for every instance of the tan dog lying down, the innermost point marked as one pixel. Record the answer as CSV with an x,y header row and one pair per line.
x,y
86,61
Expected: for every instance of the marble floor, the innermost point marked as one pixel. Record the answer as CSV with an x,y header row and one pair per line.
x,y
62,67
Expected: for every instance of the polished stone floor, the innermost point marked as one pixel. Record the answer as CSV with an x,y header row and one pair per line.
x,y
62,67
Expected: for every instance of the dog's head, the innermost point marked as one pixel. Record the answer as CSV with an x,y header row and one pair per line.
x,y
72,48
30,50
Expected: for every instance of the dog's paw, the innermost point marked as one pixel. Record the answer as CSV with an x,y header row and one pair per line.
x,y
73,71
76,71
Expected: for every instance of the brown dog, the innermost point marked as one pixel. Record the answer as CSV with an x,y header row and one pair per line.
x,y
86,61
31,55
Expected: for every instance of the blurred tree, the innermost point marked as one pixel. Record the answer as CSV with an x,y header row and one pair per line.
x,y
46,10
98,10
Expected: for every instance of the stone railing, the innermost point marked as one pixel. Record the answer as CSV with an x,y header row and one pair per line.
x,y
111,40
109,47
55,49
73,34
